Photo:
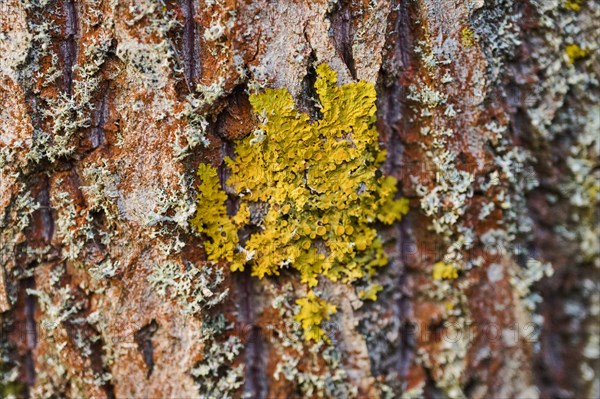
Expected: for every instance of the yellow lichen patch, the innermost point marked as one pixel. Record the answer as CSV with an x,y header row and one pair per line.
x,y
212,220
444,271
467,37
574,53
313,310
317,183
323,175
574,5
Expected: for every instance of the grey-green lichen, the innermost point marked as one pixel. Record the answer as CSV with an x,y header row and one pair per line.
x,y
559,111
13,222
61,316
193,134
194,288
217,376
445,201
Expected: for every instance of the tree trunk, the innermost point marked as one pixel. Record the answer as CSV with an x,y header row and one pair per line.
x,y
489,115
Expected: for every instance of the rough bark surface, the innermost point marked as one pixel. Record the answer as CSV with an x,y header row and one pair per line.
x,y
489,112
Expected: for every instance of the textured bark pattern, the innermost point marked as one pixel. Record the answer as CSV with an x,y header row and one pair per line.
x,y
489,114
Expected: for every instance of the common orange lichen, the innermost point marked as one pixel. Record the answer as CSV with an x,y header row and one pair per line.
x,y
313,310
371,292
318,183
212,220
442,270
467,37
574,53
574,5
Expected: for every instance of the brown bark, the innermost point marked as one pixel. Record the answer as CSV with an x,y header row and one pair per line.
x,y
489,114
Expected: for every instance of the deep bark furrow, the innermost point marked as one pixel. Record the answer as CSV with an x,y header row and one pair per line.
x,y
255,384
191,60
97,135
342,27
97,358
143,339
69,44
394,124
43,219
30,332
407,339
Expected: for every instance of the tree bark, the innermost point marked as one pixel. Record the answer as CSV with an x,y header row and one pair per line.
x,y
488,112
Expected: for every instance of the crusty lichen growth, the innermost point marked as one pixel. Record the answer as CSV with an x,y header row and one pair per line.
x,y
317,183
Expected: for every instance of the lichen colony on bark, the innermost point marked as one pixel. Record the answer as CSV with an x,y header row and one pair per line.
x,y
483,115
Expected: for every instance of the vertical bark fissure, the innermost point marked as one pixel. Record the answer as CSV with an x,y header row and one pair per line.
x,y
43,220
97,135
30,330
98,354
406,347
404,45
430,390
343,32
394,80
395,123
69,45
190,43
143,339
255,384
307,101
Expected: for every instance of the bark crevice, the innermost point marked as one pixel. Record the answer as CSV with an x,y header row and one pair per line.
x,y
143,339
190,44
97,135
69,44
255,382
343,33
